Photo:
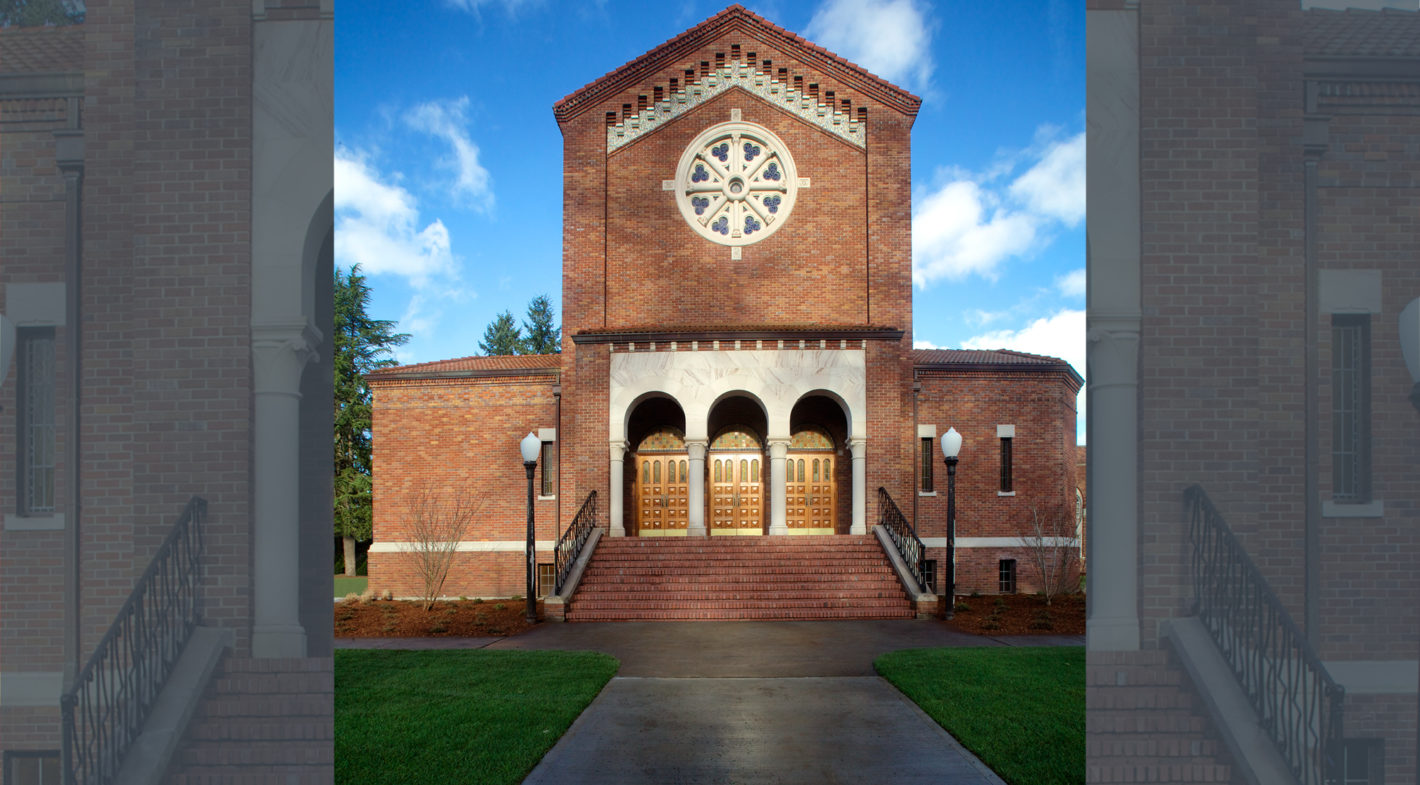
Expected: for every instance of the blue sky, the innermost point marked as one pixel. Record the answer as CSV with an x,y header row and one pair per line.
x,y
449,162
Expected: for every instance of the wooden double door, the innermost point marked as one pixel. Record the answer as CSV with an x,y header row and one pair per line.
x,y
736,493
810,493
662,494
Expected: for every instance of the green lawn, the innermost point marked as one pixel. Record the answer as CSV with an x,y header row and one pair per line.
x,y
1020,710
456,716
350,585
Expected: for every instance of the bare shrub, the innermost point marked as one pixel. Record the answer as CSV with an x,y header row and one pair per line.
x,y
1052,551
437,522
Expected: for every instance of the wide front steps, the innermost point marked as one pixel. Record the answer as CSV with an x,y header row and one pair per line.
x,y
261,720
1146,723
739,578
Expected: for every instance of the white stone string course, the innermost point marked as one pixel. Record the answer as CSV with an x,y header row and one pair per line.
x,y
736,74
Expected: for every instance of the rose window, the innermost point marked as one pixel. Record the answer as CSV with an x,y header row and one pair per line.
x,y
736,183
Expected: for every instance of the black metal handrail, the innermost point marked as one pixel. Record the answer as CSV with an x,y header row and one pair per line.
x,y
104,711
569,545
1297,702
904,536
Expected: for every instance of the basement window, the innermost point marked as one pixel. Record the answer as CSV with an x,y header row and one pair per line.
x,y
1008,576
546,579
1362,762
30,767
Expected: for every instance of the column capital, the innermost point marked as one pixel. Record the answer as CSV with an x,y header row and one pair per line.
x,y
617,447
778,448
696,448
280,352
859,446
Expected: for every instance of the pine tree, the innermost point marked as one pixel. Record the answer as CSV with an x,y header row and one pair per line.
x,y
540,331
502,336
37,13
362,344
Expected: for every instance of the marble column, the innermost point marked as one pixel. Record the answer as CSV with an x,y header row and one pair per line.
x,y
859,447
778,507
618,481
696,527
279,355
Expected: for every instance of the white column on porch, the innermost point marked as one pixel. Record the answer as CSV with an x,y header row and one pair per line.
x,y
778,508
696,526
617,450
859,448
279,354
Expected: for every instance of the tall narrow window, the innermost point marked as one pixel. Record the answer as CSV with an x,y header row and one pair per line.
x,y
549,468
926,482
31,768
36,416
1005,464
1351,408
1007,583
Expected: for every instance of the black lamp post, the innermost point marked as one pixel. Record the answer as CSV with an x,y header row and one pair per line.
x,y
951,445
530,447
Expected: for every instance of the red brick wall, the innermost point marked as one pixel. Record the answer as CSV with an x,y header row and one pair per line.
x,y
452,437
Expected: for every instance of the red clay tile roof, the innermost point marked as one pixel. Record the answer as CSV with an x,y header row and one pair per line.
x,y
998,358
688,329
736,17
1390,32
42,50
508,363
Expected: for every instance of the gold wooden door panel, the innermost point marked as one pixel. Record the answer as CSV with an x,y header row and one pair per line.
x,y
810,493
736,494
662,495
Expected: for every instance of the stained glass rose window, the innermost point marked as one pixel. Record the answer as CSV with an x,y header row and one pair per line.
x,y
736,183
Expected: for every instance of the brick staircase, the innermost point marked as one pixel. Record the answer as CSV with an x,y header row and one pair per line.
x,y
1146,723
743,578
261,720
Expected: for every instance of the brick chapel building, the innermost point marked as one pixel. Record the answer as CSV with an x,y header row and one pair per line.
x,y
737,345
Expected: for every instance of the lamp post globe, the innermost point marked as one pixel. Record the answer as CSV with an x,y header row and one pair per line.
x,y
951,447
529,446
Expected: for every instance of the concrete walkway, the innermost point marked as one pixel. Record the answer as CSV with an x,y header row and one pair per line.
x,y
748,702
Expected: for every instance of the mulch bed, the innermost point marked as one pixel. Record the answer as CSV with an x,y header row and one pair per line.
x,y
1011,614
1020,614
446,619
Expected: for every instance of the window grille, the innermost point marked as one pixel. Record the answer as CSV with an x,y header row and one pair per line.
x,y
25,767
1351,408
36,415
1008,576
926,480
549,468
1005,464
546,579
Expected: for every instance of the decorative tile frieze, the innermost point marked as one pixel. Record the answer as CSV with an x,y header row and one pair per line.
x,y
736,74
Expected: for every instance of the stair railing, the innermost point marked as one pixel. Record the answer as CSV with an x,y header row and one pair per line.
x,y
1297,702
904,536
104,711
569,545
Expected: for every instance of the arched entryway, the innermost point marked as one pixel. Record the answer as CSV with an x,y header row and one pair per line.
x,y
662,487
656,471
810,489
736,464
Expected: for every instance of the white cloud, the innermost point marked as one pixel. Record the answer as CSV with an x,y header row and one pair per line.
x,y
916,344
476,6
448,121
890,38
962,229
1055,185
377,226
1072,284
971,224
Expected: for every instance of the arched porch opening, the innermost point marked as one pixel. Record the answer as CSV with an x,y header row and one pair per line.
x,y
736,466
655,475
818,483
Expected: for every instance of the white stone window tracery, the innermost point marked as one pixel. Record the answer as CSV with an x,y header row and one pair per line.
x,y
736,183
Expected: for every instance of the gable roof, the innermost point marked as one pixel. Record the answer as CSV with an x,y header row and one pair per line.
x,y
990,359
506,365
736,18
1389,32
42,50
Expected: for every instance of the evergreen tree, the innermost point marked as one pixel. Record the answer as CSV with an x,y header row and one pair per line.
x,y
362,344
502,336
37,13
540,331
